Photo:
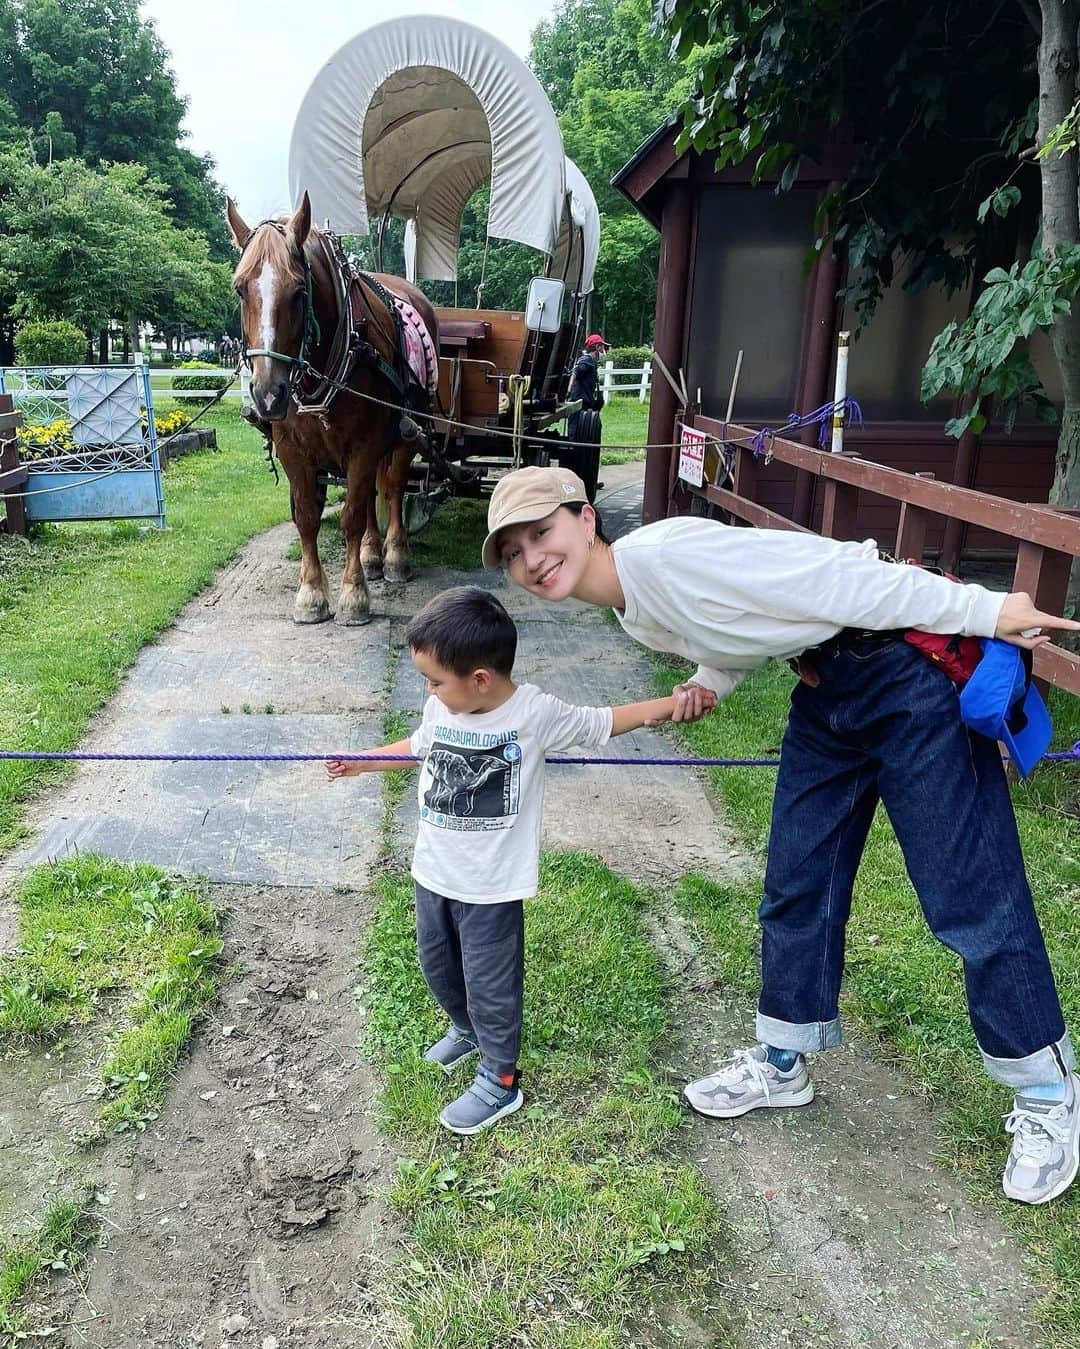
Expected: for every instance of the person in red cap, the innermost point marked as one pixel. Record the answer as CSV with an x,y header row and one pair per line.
x,y
585,383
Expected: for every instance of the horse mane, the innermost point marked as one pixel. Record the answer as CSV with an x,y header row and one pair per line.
x,y
268,245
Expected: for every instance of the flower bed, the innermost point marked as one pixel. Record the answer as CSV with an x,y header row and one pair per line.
x,y
53,440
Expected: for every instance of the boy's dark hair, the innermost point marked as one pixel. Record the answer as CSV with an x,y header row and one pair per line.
x,y
465,628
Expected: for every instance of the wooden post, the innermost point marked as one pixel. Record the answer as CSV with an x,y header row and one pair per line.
x,y
15,521
817,361
609,383
911,530
672,297
646,371
839,505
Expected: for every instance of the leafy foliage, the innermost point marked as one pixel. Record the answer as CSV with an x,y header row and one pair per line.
x,y
49,342
93,243
90,79
987,352
932,99
199,381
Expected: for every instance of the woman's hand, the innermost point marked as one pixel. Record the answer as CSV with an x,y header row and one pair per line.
x,y
692,701
1021,623
341,768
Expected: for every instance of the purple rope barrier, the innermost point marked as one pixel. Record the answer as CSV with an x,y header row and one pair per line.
x,y
627,761
80,755
761,444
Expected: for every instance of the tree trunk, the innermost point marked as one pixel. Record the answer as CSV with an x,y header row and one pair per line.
x,y
1058,65
133,334
103,346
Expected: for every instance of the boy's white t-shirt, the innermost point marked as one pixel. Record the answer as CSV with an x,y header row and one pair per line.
x,y
481,791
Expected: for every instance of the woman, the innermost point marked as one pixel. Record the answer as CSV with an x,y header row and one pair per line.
x,y
871,719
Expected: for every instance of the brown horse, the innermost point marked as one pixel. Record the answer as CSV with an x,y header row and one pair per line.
x,y
305,314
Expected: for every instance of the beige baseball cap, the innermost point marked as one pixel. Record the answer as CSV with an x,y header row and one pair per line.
x,y
528,494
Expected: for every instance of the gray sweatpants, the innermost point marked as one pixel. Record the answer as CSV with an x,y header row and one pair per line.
x,y
473,958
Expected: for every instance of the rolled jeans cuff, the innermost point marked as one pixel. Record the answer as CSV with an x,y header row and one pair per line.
x,y
807,1037
1052,1064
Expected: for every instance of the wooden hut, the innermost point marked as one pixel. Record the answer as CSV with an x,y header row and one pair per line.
x,y
732,277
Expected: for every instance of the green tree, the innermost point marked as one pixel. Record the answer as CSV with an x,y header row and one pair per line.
x,y
912,89
611,82
89,245
90,78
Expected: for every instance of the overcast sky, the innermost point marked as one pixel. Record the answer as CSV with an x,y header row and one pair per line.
x,y
244,68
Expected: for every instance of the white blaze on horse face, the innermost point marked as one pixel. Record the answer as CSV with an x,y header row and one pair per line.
x,y
267,296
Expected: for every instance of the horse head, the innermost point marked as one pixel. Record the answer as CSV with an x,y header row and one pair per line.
x,y
273,283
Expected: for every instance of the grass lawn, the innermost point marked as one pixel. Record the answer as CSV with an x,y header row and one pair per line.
x,y
60,1243
625,421
555,1228
78,601
902,987
96,935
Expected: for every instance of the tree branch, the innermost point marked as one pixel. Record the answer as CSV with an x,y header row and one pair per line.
x,y
1031,12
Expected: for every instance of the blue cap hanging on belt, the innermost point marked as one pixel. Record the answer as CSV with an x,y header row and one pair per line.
x,y
1000,701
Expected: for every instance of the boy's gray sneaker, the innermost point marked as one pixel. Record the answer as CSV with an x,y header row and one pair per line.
x,y
748,1081
1045,1154
487,1100
455,1047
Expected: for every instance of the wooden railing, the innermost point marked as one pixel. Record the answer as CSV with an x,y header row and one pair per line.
x,y
12,473
1047,539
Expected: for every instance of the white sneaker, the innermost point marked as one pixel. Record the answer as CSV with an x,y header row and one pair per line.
x,y
1045,1154
749,1082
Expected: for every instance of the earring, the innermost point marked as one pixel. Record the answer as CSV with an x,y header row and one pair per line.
x,y
592,540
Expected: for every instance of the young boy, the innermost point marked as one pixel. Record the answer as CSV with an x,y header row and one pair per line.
x,y
482,741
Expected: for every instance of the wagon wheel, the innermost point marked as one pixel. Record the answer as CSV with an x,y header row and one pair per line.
x,y
586,457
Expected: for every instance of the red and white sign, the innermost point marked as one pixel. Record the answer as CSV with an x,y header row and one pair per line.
x,y
692,455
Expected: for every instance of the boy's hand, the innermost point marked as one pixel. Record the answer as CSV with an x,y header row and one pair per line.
x,y
341,768
1021,623
692,701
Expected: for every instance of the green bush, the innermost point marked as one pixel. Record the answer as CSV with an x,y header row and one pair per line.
x,y
212,382
628,358
49,342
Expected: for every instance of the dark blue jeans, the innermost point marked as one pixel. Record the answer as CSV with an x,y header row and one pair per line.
x,y
884,723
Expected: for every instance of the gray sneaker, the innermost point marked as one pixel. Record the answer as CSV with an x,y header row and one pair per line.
x,y
487,1100
748,1081
455,1047
1045,1154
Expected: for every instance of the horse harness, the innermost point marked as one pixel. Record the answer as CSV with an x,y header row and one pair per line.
x,y
313,390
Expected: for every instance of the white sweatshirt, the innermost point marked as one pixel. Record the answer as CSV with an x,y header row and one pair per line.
x,y
732,598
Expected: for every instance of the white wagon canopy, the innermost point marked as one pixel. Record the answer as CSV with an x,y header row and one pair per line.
x,y
410,117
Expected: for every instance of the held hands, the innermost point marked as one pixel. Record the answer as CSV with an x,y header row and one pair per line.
x,y
341,768
1021,623
692,701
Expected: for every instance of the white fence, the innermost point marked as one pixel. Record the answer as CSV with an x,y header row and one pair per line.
x,y
640,381
640,384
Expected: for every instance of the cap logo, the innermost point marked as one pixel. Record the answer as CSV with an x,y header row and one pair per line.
x,y
568,489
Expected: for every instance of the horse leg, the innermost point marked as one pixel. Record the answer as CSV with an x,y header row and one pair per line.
x,y
312,604
371,547
354,603
395,473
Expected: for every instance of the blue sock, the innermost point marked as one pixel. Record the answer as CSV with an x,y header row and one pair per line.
x,y
784,1059
1047,1091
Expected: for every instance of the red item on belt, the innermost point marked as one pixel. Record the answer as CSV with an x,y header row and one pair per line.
x,y
956,656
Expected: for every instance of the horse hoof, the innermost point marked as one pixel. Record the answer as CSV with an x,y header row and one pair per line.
x,y
318,615
397,575
352,618
373,571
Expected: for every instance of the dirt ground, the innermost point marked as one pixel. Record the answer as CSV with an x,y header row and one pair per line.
x,y
252,1212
